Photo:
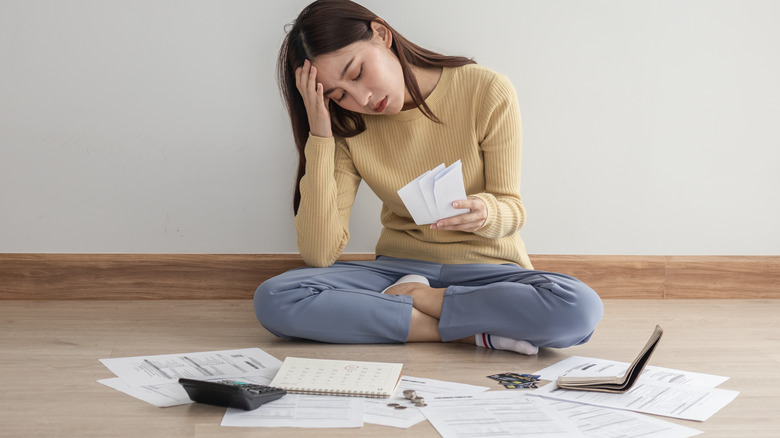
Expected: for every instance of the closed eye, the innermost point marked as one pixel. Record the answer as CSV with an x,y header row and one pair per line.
x,y
344,93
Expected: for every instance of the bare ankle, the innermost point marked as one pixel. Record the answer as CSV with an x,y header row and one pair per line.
x,y
423,328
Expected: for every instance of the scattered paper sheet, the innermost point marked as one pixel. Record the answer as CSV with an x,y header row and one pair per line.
x,y
430,196
496,414
590,367
665,392
597,422
168,368
300,410
659,399
165,395
155,379
162,395
377,411
454,409
513,414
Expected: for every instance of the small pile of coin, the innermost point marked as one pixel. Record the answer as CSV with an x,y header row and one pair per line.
x,y
412,396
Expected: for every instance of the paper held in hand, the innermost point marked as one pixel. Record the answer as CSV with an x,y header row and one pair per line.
x,y
430,196
616,384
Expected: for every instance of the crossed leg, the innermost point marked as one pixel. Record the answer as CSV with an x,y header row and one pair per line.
x,y
426,311
341,304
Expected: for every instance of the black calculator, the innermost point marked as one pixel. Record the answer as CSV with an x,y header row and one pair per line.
x,y
230,393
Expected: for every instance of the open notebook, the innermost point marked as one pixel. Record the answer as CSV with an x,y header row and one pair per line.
x,y
618,383
338,377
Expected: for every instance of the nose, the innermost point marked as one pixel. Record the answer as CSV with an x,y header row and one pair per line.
x,y
362,95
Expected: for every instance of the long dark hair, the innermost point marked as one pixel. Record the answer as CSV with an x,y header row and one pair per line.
x,y
329,25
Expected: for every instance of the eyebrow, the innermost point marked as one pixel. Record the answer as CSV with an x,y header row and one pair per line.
x,y
343,73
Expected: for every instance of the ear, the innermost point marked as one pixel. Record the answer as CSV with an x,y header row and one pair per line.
x,y
381,33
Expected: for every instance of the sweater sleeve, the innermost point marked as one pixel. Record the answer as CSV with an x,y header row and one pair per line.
x,y
328,189
500,128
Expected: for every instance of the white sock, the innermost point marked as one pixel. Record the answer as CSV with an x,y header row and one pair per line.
x,y
499,343
411,278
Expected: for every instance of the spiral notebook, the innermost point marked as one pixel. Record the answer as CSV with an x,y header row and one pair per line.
x,y
338,377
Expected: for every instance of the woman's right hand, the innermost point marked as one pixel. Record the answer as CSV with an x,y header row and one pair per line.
x,y
314,100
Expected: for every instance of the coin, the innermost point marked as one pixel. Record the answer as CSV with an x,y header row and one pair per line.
x,y
392,405
400,407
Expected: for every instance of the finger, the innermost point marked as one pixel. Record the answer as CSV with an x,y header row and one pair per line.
x,y
306,75
318,95
471,204
313,79
298,73
323,99
302,78
454,221
471,220
468,226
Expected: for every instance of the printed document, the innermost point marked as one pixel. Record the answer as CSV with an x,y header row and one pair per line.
x,y
168,368
155,379
517,414
497,414
589,367
300,410
165,395
598,422
670,393
377,411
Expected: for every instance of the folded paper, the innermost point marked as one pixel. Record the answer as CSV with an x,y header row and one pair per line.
x,y
430,196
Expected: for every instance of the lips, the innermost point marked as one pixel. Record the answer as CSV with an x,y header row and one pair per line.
x,y
381,106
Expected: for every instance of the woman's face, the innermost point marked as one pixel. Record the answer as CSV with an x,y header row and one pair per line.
x,y
364,77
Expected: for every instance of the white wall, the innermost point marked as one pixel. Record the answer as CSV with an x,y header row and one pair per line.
x,y
650,127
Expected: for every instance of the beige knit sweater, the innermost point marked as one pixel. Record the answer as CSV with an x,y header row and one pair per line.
x,y
481,127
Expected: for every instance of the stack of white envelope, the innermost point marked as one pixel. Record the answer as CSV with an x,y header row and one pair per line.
x,y
430,196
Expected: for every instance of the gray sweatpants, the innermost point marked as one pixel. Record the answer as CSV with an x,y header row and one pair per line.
x,y
343,304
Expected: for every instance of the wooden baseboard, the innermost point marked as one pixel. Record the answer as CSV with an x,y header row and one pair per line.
x,y
235,276
703,277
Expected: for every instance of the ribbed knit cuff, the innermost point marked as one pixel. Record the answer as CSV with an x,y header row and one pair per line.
x,y
317,146
490,228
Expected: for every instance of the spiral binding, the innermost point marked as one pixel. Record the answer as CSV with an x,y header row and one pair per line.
x,y
343,393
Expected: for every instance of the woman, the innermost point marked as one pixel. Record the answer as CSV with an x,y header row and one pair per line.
x,y
367,104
